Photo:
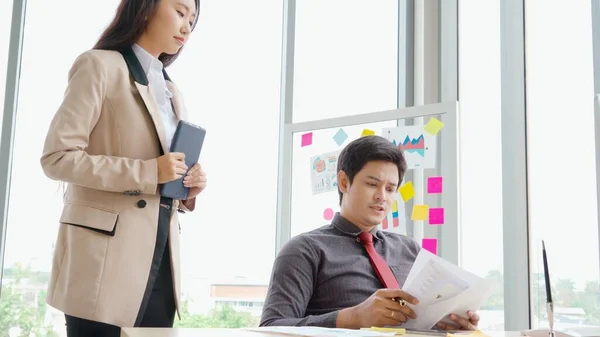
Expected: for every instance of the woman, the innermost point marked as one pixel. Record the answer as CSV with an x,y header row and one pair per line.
x,y
116,259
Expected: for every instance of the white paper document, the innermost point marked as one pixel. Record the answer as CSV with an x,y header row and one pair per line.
x,y
442,288
310,331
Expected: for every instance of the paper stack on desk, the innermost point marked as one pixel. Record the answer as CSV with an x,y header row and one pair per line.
x,y
442,288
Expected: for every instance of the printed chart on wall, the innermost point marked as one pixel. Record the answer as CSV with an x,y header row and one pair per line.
x,y
323,172
395,221
419,147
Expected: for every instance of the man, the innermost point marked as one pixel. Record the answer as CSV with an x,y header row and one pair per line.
x,y
332,276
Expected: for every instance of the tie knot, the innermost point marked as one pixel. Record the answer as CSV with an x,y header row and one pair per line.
x,y
366,237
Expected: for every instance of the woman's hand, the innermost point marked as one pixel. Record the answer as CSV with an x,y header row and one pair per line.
x,y
171,166
195,179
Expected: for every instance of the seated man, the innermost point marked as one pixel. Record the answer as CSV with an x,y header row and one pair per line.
x,y
337,275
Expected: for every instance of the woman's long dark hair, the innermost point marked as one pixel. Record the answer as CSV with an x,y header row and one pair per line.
x,y
130,21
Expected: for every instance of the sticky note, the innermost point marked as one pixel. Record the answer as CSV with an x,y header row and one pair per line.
x,y
407,191
340,137
397,331
367,132
429,244
434,185
306,139
419,212
433,126
436,216
328,214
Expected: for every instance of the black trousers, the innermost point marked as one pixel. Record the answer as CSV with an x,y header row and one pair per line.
x,y
158,305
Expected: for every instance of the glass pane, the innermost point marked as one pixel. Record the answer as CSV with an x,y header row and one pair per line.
x,y
236,98
346,58
28,258
481,152
562,197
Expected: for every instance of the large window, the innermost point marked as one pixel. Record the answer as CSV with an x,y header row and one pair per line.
x,y
562,195
36,201
230,80
345,59
481,157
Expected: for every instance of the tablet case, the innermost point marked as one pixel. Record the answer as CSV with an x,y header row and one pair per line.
x,y
188,139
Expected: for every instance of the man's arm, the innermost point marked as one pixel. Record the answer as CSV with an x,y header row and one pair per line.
x,y
291,287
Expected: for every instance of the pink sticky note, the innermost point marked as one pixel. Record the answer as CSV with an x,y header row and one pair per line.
x,y
436,216
434,185
306,139
328,214
430,245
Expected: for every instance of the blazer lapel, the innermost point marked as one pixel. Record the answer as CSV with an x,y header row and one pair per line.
x,y
141,83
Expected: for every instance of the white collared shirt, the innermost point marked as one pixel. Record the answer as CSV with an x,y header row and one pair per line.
x,y
154,71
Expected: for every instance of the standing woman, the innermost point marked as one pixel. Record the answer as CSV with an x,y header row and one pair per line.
x,y
116,258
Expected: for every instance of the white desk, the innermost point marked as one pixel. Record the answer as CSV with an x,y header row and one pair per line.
x,y
145,332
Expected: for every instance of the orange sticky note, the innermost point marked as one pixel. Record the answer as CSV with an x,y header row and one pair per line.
x,y
407,191
419,212
367,132
433,126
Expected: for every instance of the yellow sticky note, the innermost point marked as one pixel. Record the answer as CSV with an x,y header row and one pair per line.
x,y
367,132
433,126
407,191
395,206
396,331
419,212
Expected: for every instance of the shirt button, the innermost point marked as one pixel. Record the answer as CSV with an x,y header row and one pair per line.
x,y
141,203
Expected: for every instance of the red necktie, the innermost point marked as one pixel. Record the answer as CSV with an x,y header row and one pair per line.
x,y
381,267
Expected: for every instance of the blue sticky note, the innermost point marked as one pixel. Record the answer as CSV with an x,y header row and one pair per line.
x,y
340,137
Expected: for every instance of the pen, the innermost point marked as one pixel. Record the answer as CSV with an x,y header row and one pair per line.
x,y
549,304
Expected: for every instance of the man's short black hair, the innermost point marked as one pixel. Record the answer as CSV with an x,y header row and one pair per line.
x,y
366,149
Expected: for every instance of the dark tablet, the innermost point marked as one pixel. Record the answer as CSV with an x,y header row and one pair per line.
x,y
188,139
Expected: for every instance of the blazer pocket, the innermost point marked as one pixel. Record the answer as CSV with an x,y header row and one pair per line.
x,y
90,217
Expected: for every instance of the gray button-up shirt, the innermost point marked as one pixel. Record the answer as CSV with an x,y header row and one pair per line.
x,y
320,272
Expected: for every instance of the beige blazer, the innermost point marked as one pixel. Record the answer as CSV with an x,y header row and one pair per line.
x,y
104,141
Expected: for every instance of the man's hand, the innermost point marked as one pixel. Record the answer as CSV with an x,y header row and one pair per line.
x,y
461,322
379,310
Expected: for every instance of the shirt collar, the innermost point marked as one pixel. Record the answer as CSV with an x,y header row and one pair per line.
x,y
348,228
148,62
